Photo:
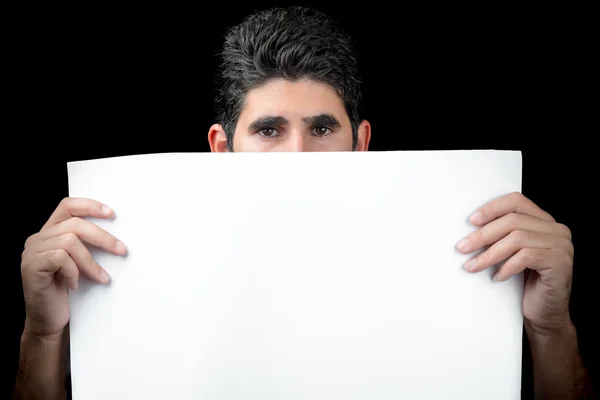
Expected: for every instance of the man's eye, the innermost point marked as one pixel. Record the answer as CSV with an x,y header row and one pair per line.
x,y
322,131
268,132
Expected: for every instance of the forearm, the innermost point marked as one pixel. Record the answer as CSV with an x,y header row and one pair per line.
x,y
558,371
42,367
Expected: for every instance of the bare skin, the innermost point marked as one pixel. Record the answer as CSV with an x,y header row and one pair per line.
x,y
526,238
292,116
53,260
308,116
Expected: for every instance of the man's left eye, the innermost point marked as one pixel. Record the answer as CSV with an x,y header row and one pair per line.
x,y
322,130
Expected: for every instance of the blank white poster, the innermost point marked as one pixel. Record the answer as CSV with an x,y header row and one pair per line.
x,y
295,276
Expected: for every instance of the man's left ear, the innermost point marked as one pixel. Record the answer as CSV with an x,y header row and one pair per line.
x,y
217,139
364,136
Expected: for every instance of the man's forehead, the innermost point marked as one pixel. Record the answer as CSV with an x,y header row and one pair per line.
x,y
293,100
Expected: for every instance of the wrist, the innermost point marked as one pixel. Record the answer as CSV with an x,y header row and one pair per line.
x,y
550,343
563,330
32,332
43,344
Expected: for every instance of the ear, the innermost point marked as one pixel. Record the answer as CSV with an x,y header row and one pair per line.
x,y
364,136
217,139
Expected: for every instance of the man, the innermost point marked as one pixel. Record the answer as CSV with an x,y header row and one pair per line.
x,y
289,82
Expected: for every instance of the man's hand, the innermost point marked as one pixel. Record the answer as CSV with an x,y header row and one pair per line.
x,y
54,258
522,237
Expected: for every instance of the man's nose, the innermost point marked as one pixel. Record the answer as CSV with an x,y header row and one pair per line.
x,y
297,142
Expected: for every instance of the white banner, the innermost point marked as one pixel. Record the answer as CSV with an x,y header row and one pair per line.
x,y
295,276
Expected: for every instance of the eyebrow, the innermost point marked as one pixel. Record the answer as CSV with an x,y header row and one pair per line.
x,y
270,121
322,120
267,122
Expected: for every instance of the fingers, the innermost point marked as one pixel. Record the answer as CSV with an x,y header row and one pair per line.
x,y
511,203
535,259
78,207
56,260
77,252
59,245
503,226
87,232
513,243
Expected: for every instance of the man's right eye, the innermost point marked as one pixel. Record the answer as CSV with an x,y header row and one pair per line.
x,y
268,132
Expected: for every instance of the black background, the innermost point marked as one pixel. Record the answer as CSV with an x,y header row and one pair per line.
x,y
95,81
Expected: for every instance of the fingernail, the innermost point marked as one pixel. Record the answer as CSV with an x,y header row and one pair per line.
x,y
104,276
463,245
471,264
496,278
121,247
476,217
106,210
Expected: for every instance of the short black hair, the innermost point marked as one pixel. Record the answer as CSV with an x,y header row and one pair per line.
x,y
291,43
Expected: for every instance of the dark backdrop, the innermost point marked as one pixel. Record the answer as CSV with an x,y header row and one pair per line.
x,y
96,82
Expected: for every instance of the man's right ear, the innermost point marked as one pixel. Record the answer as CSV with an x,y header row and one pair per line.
x,y
217,139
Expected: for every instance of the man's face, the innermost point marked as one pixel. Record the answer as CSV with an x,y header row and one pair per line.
x,y
281,115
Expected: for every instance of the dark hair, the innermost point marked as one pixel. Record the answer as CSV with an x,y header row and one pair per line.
x,y
290,43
